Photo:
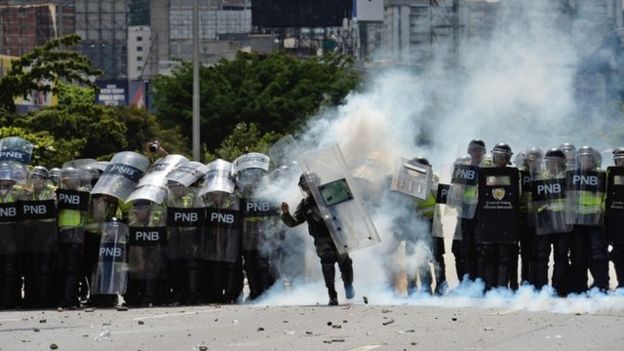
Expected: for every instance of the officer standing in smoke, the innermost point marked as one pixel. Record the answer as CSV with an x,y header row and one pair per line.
x,y
73,203
307,211
549,202
38,238
9,269
221,242
497,219
529,170
258,226
585,199
615,213
463,195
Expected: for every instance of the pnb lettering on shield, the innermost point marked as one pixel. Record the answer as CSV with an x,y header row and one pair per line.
x,y
69,199
185,217
585,180
222,218
110,251
543,189
465,173
147,236
256,207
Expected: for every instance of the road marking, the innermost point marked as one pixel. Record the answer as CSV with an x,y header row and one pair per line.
x,y
172,315
366,348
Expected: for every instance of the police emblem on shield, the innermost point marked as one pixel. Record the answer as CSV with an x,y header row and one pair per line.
x,y
498,193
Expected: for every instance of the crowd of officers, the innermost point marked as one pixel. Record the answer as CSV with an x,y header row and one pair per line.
x,y
180,232
173,232
559,201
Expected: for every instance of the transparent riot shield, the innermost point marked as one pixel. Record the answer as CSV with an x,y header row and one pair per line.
x,y
250,161
222,231
81,163
147,240
259,217
412,178
585,197
185,221
614,221
188,173
339,203
16,149
218,178
153,185
121,175
283,150
463,190
498,212
111,273
549,203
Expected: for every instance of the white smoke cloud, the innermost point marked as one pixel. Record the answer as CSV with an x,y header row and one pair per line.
x,y
516,85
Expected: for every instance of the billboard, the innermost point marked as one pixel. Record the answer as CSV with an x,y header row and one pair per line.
x,y
369,10
300,13
112,92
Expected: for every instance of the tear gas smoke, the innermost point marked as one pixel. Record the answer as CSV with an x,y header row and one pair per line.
x,y
517,85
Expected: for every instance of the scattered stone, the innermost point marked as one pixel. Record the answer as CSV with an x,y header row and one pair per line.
x,y
308,333
36,330
337,326
345,321
85,335
203,348
365,299
89,310
388,322
454,319
414,343
53,346
385,311
338,340
329,324
141,322
121,308
488,329
260,329
236,321
43,321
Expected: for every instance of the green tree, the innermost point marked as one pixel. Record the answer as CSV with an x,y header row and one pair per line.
x,y
42,70
244,138
276,92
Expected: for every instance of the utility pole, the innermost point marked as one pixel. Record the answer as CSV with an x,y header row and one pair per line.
x,y
196,149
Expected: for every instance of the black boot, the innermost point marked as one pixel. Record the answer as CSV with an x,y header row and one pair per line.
x,y
329,275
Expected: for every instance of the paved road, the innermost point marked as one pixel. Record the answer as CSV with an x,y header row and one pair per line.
x,y
353,327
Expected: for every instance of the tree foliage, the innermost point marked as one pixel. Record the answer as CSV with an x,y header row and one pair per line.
x,y
276,92
43,68
243,139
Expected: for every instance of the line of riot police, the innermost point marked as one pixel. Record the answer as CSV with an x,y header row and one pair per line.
x,y
559,201
172,232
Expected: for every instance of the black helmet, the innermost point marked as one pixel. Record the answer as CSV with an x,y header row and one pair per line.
x,y
555,153
476,143
567,147
40,171
308,179
533,153
421,160
586,151
502,147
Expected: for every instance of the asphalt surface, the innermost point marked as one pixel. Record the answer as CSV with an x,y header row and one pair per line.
x,y
347,327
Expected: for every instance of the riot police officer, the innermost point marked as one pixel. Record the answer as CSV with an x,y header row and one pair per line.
x,y
73,204
549,201
258,222
307,211
10,285
615,213
466,196
39,234
585,199
529,170
497,215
